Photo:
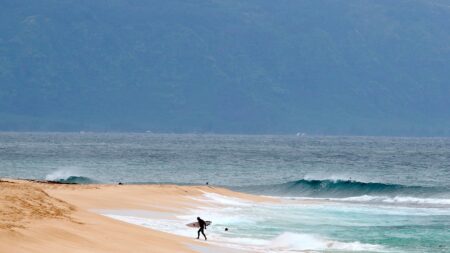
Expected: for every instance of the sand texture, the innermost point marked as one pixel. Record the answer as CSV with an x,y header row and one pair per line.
x,y
45,217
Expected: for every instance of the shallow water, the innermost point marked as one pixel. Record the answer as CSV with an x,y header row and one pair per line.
x,y
364,194
320,226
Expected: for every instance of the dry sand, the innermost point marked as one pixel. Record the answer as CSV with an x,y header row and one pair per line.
x,y
58,218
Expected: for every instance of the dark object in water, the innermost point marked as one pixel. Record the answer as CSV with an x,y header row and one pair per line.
x,y
226,229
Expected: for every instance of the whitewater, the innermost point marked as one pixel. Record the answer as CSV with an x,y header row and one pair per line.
x,y
334,194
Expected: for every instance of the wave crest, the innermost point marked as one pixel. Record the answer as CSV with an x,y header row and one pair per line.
x,y
344,189
69,177
76,180
294,241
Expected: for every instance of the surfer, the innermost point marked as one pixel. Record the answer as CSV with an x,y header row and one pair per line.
x,y
202,225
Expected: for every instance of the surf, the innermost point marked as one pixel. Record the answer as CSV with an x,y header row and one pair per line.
x,y
328,188
69,177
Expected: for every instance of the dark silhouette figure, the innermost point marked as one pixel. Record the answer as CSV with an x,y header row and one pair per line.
x,y
202,228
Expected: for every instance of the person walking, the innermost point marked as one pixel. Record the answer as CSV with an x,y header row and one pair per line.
x,y
202,225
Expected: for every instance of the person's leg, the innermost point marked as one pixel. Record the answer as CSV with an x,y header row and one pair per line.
x,y
198,233
203,233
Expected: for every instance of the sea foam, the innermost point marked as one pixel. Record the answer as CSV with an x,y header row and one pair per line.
x,y
398,200
70,176
295,241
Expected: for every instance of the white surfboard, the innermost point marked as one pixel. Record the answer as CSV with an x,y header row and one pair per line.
x,y
196,225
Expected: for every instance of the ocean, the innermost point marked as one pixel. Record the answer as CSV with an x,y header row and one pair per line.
x,y
336,194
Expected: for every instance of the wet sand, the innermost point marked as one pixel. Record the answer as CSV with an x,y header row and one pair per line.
x,y
53,218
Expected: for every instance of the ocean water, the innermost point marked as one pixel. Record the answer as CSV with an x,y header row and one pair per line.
x,y
337,194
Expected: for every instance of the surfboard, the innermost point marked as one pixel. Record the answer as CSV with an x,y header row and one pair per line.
x,y
196,225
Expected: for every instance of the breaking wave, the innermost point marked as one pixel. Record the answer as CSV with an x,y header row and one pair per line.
x,y
344,189
303,242
76,180
69,177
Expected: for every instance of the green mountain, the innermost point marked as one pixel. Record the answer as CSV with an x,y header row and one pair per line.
x,y
358,67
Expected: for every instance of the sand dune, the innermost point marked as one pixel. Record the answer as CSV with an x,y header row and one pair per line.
x,y
22,204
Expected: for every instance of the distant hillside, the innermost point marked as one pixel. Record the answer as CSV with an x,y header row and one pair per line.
x,y
359,67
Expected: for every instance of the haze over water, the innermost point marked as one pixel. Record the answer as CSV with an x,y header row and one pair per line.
x,y
371,194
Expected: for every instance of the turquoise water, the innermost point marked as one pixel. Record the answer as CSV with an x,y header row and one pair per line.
x,y
346,227
338,194
294,225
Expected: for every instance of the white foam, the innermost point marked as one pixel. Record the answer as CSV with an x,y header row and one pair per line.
x,y
223,200
398,199
166,225
242,215
294,241
62,174
282,243
333,178
244,243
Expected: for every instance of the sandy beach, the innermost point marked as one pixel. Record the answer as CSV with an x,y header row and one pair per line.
x,y
44,217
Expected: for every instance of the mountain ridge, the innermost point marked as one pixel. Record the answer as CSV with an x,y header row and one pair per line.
x,y
321,67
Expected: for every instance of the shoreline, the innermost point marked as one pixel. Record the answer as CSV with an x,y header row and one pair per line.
x,y
47,217
44,216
